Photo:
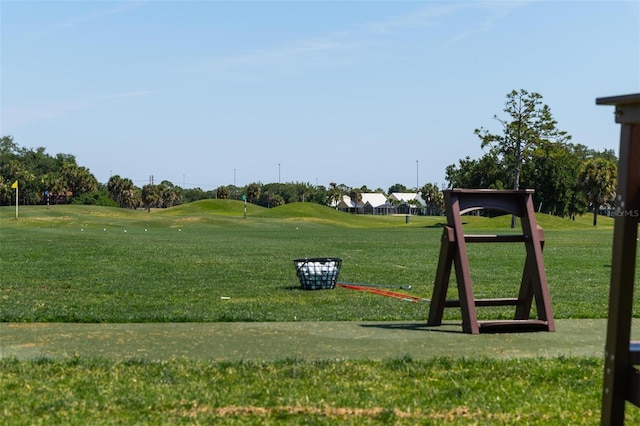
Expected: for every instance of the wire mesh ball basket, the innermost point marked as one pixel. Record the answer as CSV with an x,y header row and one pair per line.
x,y
318,273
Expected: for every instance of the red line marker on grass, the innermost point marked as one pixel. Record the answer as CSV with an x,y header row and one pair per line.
x,y
387,293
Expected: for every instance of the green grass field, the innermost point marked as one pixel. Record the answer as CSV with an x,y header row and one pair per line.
x,y
95,264
83,264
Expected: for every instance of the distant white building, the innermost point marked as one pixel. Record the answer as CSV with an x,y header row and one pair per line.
x,y
379,204
406,202
371,203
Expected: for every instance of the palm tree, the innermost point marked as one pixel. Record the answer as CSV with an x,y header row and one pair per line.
x,y
253,192
55,184
222,192
597,179
335,194
123,192
356,198
150,196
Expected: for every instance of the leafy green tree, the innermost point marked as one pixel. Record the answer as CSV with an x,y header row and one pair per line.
x,y
530,123
170,194
55,184
235,192
253,192
486,172
598,178
8,147
194,194
151,195
335,193
124,192
222,193
433,197
28,183
134,198
356,198
304,191
38,172
320,195
398,187
415,204
79,180
98,197
552,171
276,200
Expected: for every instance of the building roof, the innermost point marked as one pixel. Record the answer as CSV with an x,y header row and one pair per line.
x,y
374,199
407,196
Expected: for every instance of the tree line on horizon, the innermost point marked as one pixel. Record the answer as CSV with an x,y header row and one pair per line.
x,y
59,179
529,151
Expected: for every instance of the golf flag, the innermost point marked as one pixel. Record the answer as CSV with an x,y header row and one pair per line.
x,y
14,185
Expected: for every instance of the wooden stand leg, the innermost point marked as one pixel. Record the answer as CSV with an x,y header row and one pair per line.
x,y
621,379
439,297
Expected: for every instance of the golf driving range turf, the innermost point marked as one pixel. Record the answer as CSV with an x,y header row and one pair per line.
x,y
206,272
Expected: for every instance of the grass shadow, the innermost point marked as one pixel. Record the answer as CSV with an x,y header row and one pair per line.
x,y
436,225
422,326
440,225
293,287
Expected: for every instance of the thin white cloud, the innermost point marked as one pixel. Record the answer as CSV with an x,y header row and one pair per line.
x,y
289,51
23,115
431,15
490,13
123,95
345,45
95,16
496,12
19,116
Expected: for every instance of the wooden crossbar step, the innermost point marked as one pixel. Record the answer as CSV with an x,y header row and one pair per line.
x,y
509,238
503,301
450,236
513,325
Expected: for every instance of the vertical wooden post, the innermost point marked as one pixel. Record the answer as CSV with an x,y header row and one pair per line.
x,y
619,374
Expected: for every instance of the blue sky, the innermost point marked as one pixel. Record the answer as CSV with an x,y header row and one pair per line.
x,y
210,93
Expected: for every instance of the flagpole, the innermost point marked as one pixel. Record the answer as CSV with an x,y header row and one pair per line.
x,y
15,185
